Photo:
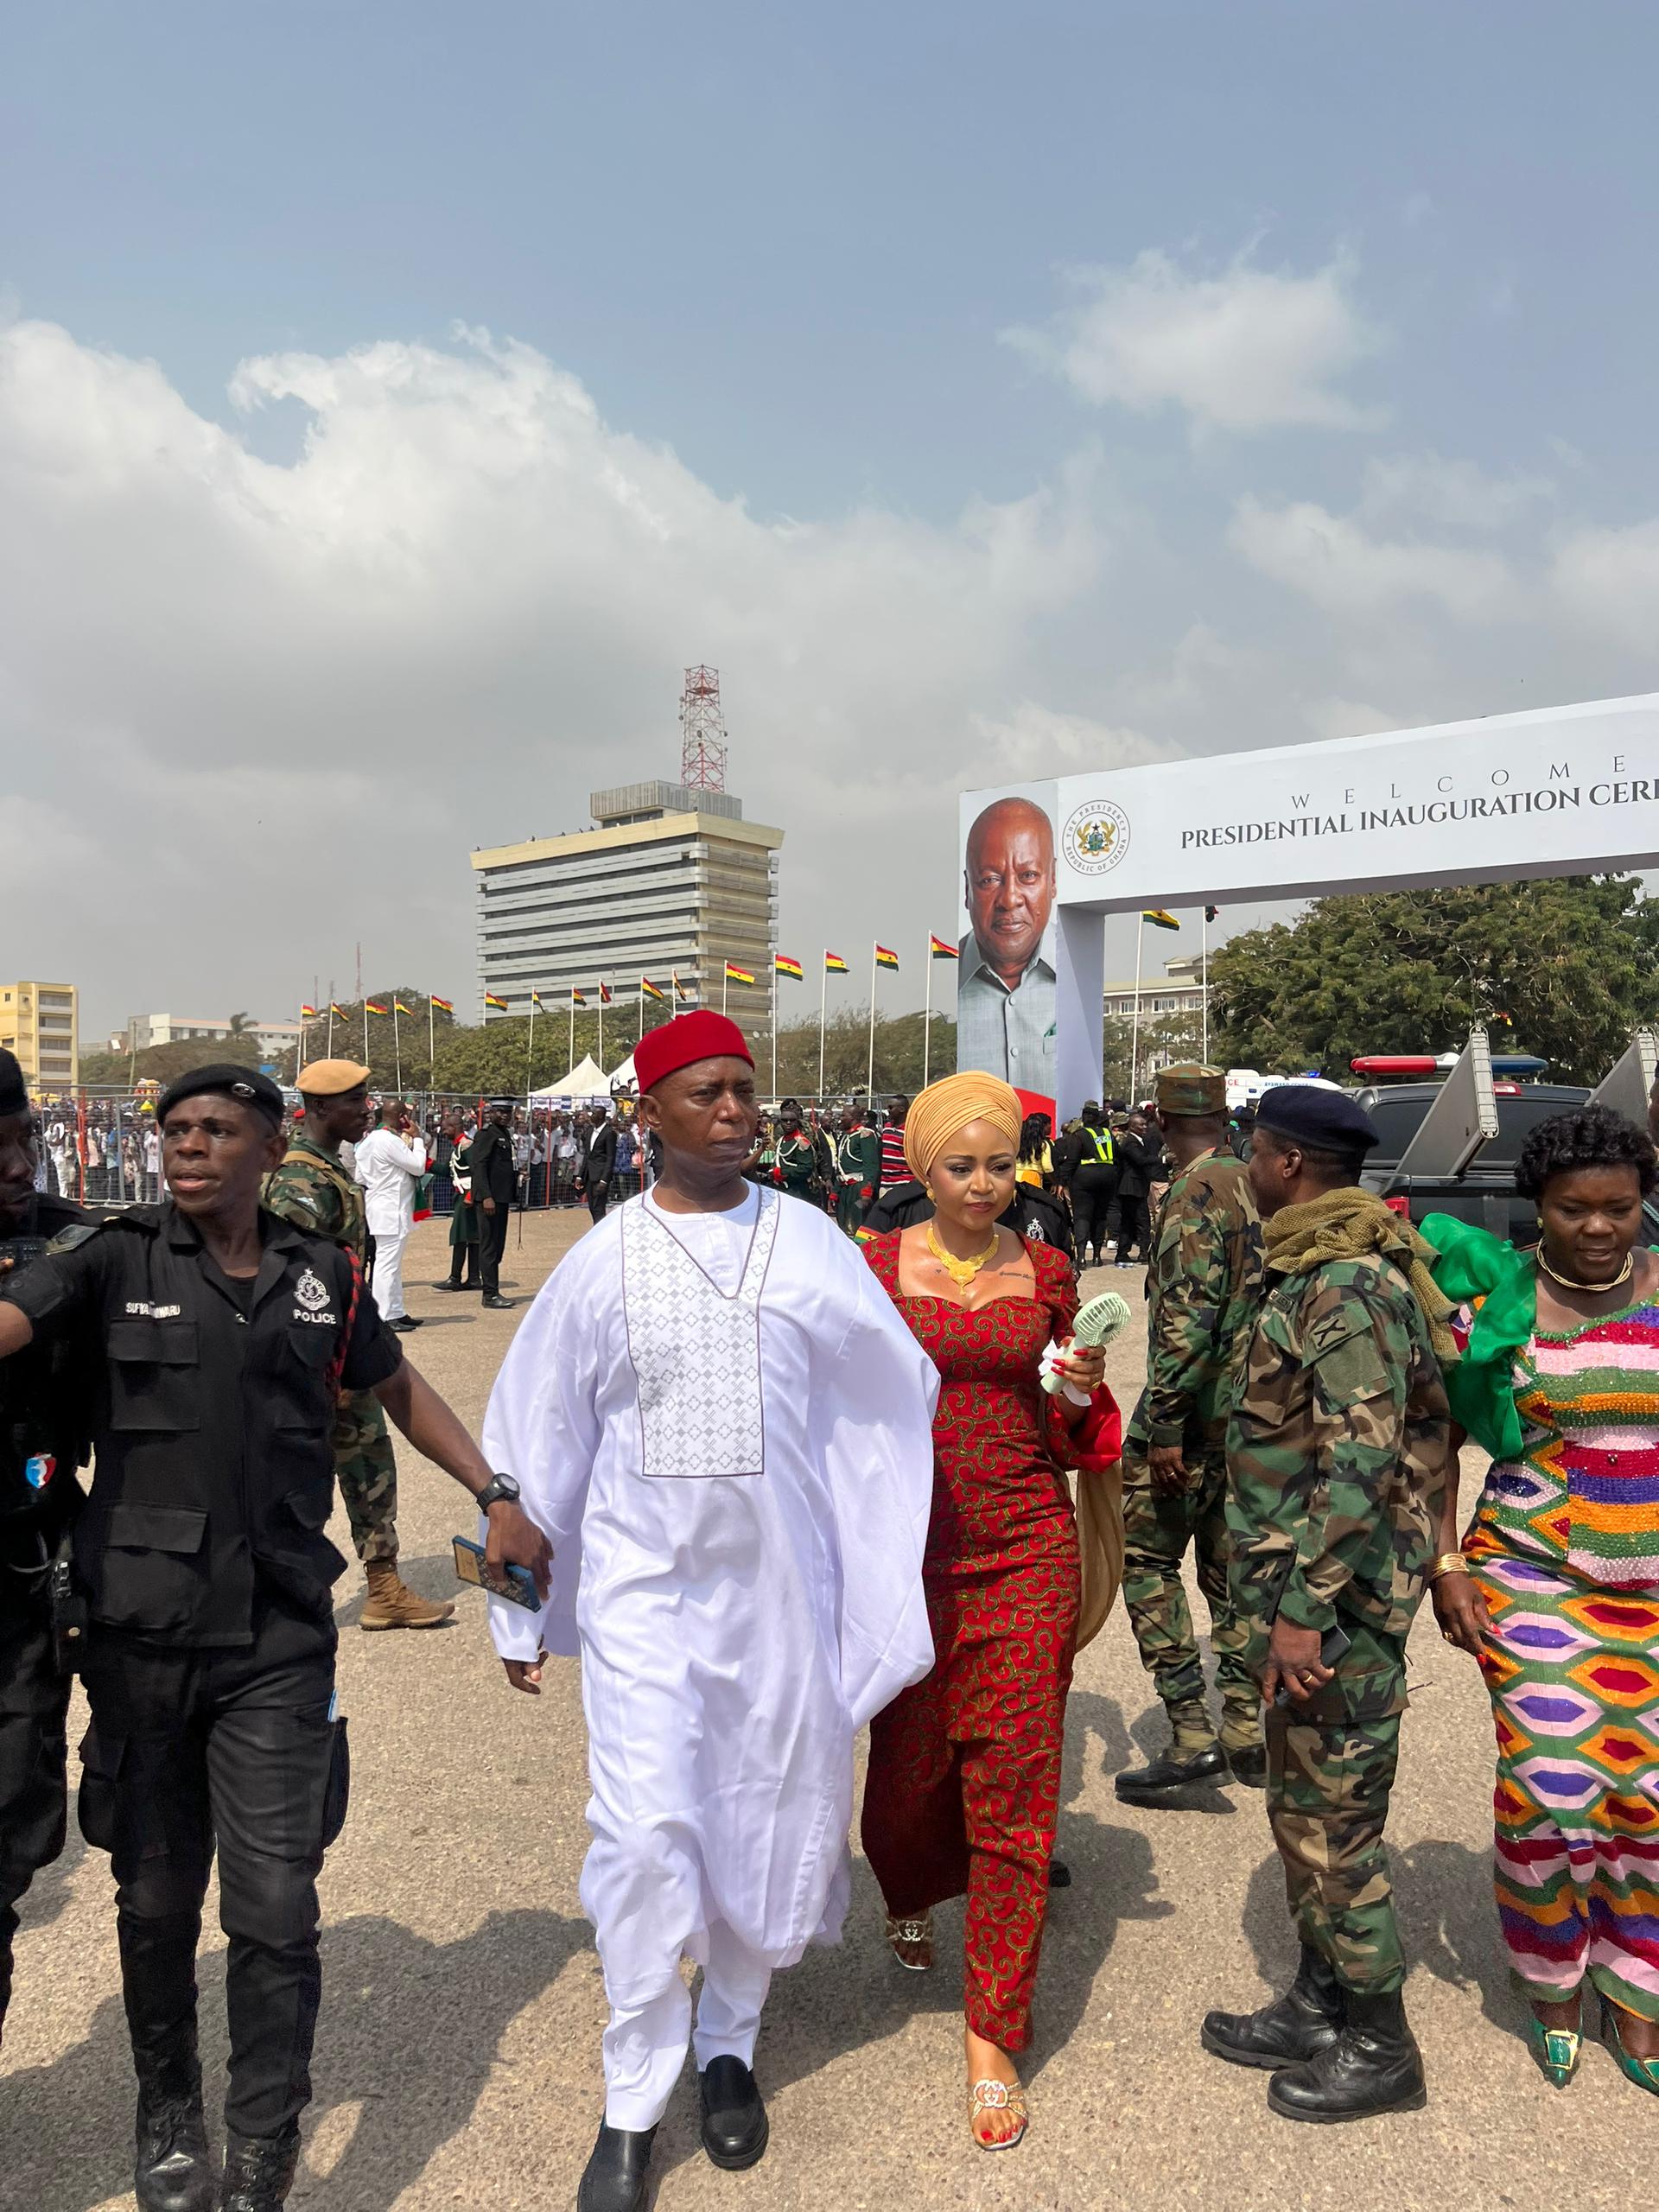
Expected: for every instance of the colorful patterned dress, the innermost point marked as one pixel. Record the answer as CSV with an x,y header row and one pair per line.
x,y
1564,1547
964,1775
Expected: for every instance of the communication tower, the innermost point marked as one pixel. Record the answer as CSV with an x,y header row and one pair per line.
x,y
703,753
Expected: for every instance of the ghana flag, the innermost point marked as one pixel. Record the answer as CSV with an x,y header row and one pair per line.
x,y
536,1001
397,1007
941,949
490,999
337,1010
651,989
833,964
373,1006
736,975
444,1006
884,957
1159,919
680,990
576,997
308,1013
604,995
785,966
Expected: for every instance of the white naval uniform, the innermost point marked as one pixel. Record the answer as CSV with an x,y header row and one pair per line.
x,y
725,1429
389,1169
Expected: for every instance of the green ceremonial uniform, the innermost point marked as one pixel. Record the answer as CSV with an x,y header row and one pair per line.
x,y
797,1165
1203,1284
1336,1453
858,1176
312,1190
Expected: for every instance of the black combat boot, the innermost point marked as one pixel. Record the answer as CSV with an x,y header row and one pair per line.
x,y
1302,2023
735,2124
1374,2066
259,2170
173,2168
618,2174
1172,1771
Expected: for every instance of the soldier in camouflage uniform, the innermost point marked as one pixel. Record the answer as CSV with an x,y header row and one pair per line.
x,y
1338,1453
1203,1285
312,1190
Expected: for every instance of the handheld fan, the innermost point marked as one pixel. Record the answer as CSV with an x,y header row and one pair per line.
x,y
1098,1321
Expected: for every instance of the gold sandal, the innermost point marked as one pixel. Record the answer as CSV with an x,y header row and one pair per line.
x,y
998,2096
912,1941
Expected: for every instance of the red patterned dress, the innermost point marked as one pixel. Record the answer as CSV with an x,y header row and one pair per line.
x,y
964,1775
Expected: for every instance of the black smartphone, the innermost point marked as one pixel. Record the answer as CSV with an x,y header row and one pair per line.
x,y
1333,1644
517,1585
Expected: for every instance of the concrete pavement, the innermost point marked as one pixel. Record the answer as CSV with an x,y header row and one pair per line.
x,y
457,2061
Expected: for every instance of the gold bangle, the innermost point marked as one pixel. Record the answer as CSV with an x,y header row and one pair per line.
x,y
1448,1563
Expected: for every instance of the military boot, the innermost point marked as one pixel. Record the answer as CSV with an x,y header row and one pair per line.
x,y
1374,2066
259,2170
1302,2023
173,2168
1193,1756
392,1604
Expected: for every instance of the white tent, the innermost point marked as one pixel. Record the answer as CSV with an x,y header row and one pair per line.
x,y
586,1080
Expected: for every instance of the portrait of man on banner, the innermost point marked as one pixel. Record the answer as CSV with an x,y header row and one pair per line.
x,y
1006,996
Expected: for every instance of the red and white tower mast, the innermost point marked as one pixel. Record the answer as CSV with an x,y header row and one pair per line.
x,y
703,752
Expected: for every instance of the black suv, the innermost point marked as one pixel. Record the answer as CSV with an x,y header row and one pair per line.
x,y
1484,1194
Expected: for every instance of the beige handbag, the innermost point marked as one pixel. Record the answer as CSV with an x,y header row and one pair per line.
x,y
1100,1542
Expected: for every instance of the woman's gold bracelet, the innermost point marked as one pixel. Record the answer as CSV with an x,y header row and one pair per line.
x,y
1448,1563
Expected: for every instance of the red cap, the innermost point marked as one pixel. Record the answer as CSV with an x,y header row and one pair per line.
x,y
704,1035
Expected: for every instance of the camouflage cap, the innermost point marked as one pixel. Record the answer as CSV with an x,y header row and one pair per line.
x,y
1190,1088
330,1078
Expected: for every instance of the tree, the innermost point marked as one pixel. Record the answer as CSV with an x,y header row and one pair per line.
x,y
242,1025
1164,1038
1562,966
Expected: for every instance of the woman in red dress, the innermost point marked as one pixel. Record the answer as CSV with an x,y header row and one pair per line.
x,y
964,1774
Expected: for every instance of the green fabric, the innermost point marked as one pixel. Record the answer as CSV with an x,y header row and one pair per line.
x,y
1472,1263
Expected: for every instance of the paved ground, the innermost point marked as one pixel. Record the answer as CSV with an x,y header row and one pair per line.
x,y
457,2060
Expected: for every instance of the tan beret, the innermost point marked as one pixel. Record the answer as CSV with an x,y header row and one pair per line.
x,y
331,1078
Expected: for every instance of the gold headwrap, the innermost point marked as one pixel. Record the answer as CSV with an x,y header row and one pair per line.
x,y
947,1107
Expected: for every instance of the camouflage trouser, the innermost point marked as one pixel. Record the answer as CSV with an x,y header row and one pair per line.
x,y
367,1473
1158,1527
1330,1770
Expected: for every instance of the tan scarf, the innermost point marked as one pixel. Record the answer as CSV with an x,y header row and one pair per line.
x,y
1346,1224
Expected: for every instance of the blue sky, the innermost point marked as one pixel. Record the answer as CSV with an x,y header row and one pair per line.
x,y
982,388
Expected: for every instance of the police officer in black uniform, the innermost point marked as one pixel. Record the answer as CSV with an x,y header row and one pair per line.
x,y
495,1177
40,1447
224,1338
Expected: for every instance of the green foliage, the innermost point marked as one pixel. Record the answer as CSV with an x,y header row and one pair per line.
x,y
1563,966
162,1063
1164,1038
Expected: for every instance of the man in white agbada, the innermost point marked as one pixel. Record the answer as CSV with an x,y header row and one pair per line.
x,y
724,1428
390,1162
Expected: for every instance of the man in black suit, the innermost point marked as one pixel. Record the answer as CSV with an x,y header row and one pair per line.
x,y
599,1165
495,1177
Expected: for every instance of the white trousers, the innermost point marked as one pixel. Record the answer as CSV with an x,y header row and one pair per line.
x,y
388,1284
644,2044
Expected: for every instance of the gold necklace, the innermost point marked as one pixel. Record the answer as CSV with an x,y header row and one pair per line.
x,y
961,1272
1598,1288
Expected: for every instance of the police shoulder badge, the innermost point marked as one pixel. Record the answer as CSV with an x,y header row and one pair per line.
x,y
311,1292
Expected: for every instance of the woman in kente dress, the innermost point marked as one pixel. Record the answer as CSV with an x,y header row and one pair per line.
x,y
964,1775
1556,1588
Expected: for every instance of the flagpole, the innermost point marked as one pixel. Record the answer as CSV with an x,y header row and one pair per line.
x,y
601,1028
1203,978
1134,1032
397,1046
725,982
774,1025
299,1053
573,1026
823,1001
330,1054
530,1047
431,1042
366,1029
927,1012
642,1006
869,1080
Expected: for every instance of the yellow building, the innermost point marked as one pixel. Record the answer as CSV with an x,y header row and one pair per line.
x,y
41,1022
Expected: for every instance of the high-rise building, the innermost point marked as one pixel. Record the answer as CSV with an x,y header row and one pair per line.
x,y
670,881
41,1022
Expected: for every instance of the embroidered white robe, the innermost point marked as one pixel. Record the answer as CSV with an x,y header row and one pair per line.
x,y
727,1441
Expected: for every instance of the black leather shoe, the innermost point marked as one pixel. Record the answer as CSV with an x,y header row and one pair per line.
x,y
1374,2066
259,2170
1248,1765
454,1286
404,1324
1300,2024
173,2168
735,2124
501,1305
1152,1783
617,2172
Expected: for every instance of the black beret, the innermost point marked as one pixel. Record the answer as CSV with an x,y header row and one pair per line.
x,y
1328,1120
14,1098
246,1084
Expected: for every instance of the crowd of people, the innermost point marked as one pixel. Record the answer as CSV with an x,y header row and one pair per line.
x,y
814,1434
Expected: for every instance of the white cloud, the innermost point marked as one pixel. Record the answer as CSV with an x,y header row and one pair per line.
x,y
1336,563
1034,740
1607,582
1247,349
281,702
1452,494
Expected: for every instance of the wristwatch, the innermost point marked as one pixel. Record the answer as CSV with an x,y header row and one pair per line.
x,y
498,1487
